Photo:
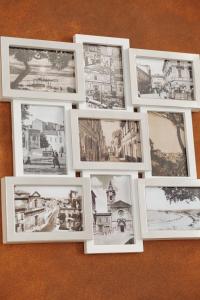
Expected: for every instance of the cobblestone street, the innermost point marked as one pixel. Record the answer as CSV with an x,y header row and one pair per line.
x,y
45,166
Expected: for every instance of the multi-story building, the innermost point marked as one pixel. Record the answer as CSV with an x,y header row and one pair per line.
x,y
55,140
178,79
116,143
70,213
91,54
130,141
103,223
157,82
104,76
30,211
31,138
92,140
144,79
38,124
98,84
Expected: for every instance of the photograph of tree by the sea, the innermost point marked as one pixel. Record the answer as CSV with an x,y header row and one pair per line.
x,y
173,208
42,70
167,142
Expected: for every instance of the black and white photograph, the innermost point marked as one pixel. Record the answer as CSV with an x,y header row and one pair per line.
x,y
173,208
107,140
112,210
165,79
43,139
48,208
42,70
104,76
167,144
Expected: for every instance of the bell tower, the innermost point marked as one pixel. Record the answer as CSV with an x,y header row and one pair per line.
x,y
110,192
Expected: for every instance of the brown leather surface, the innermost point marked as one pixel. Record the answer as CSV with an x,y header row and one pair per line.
x,y
167,269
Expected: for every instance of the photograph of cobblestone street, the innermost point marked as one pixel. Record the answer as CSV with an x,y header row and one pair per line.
x,y
109,140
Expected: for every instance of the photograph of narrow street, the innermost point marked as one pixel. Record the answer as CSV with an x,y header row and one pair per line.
x,y
165,79
109,140
48,208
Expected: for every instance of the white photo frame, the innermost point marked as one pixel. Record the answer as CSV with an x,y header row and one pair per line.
x,y
71,96
91,248
150,229
11,221
189,139
79,164
124,44
18,154
165,55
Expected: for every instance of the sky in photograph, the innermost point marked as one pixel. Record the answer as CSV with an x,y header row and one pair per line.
x,y
99,185
108,127
156,200
50,191
46,113
156,65
163,134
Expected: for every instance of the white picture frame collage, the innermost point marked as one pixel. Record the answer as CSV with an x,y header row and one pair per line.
x,y
103,148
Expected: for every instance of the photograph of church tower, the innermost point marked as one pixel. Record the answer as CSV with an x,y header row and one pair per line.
x,y
112,209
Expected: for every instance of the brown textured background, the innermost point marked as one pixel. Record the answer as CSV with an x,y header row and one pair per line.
x,y
167,269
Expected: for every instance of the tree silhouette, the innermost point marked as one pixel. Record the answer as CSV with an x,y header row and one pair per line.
x,y
176,194
58,59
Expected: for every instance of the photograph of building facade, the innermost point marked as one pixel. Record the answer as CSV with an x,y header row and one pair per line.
x,y
112,210
104,76
42,70
109,140
43,139
175,208
47,209
168,151
165,79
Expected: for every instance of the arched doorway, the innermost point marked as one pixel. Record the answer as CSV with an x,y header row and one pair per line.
x,y
122,225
